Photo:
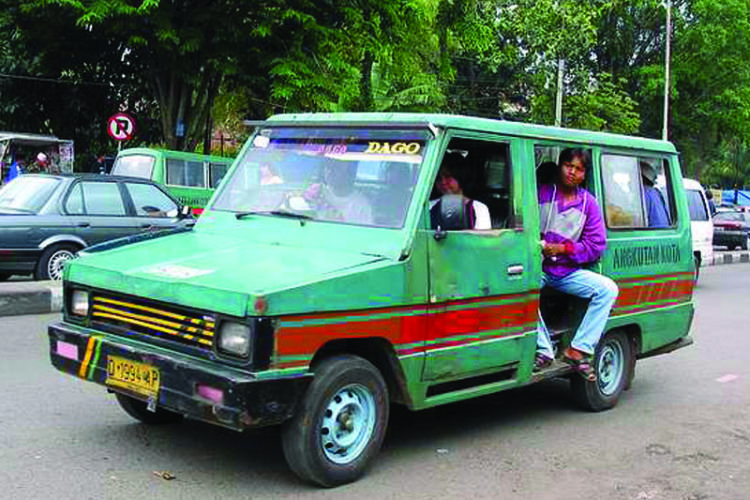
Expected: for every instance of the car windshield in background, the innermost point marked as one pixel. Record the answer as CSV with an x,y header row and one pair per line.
x,y
730,216
27,193
134,166
698,210
363,177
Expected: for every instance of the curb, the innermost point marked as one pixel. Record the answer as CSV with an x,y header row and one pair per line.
x,y
727,257
45,297
30,297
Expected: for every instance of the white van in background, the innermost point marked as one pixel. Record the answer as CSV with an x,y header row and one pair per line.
x,y
701,225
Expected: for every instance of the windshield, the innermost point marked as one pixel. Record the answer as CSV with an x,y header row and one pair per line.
x,y
134,166
729,216
363,177
696,207
27,193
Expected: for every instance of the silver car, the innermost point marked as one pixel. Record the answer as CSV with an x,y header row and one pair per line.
x,y
46,219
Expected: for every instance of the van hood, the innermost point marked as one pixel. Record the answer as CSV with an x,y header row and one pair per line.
x,y
212,273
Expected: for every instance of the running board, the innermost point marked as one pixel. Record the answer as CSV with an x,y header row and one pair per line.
x,y
678,344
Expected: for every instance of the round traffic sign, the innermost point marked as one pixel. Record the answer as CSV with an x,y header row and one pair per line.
x,y
121,126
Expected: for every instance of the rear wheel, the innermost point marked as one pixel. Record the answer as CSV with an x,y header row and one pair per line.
x,y
340,424
50,265
139,410
697,268
613,362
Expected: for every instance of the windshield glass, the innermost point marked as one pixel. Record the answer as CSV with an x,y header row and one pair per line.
x,y
729,216
696,207
134,166
26,193
363,177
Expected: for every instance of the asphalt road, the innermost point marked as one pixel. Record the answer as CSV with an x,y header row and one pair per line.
x,y
682,432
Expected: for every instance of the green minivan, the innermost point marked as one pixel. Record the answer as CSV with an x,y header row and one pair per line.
x,y
190,177
318,315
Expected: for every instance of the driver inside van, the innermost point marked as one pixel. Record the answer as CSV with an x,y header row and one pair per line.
x,y
573,235
336,198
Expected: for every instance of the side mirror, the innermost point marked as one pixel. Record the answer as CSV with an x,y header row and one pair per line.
x,y
440,234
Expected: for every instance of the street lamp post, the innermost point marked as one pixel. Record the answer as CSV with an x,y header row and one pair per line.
x,y
665,132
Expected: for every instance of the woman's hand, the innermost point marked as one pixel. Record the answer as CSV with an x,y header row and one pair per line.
x,y
551,249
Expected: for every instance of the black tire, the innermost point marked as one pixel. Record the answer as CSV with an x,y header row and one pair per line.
x,y
311,446
49,266
612,377
139,411
697,271
743,244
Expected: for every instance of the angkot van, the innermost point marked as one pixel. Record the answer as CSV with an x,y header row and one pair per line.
x,y
277,309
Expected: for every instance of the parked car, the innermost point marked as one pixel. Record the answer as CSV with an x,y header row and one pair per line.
x,y
46,219
732,229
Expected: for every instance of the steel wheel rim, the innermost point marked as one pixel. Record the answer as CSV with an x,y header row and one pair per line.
x,y
57,262
348,424
610,368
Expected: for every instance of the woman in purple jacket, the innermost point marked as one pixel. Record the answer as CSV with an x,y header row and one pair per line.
x,y
573,235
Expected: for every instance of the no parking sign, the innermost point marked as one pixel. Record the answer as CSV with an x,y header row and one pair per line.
x,y
121,126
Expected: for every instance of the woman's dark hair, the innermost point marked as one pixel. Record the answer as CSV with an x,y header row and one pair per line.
x,y
455,164
569,154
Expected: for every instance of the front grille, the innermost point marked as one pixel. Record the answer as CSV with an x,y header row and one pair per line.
x,y
127,315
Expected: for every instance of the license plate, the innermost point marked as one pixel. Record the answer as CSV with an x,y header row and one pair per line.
x,y
137,377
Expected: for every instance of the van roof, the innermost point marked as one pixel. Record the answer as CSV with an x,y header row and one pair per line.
x,y
583,137
691,184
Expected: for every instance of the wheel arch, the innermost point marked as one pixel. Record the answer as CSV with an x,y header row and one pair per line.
x,y
62,238
377,351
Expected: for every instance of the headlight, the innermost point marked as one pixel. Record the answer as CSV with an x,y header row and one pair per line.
x,y
234,338
79,303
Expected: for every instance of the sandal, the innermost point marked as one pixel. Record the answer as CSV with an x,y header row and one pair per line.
x,y
541,361
582,363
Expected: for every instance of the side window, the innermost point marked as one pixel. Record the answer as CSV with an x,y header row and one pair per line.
x,y
175,172
74,203
472,187
102,198
150,201
194,176
637,193
217,171
696,205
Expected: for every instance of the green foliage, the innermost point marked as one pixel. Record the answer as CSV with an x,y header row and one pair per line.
x,y
212,64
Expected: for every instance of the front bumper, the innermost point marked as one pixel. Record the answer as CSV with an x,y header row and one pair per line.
x,y
247,400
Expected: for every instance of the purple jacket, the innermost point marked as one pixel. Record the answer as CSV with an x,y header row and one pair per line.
x,y
578,224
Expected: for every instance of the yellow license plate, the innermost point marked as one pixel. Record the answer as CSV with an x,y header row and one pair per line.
x,y
137,377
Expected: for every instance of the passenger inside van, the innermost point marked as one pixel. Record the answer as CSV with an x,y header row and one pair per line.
x,y
573,235
453,210
656,208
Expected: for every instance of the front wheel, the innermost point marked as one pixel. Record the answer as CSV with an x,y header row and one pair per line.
x,y
50,265
341,422
613,362
139,411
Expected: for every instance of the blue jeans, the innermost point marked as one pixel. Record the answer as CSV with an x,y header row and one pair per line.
x,y
587,284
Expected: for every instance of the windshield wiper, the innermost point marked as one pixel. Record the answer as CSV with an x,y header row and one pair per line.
x,y
280,213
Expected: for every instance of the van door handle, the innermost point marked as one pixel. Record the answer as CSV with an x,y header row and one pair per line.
x,y
515,270
147,226
84,224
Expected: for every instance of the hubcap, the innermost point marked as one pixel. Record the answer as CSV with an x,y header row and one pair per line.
x,y
56,262
611,368
348,424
